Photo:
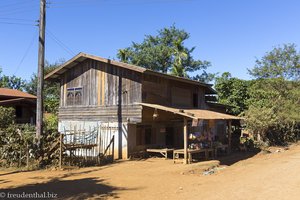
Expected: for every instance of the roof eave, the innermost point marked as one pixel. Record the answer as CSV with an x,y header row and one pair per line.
x,y
83,56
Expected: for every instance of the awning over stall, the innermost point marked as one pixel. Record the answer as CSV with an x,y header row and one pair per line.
x,y
193,113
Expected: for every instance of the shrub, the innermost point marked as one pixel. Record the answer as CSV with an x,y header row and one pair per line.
x,y
7,116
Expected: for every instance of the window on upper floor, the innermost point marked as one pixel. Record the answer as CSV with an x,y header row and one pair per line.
x,y
74,96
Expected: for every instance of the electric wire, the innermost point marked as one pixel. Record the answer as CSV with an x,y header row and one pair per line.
x,y
26,52
60,43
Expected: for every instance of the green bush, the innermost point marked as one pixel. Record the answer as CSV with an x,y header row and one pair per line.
x,y
18,141
7,116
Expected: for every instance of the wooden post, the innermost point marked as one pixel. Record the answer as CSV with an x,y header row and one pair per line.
x,y
185,139
40,75
113,148
60,150
229,135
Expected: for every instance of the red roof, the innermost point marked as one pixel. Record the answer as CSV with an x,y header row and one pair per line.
x,y
15,93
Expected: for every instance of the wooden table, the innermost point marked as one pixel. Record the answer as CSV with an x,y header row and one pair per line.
x,y
177,152
163,152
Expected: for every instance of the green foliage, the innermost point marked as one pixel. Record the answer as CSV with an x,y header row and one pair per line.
x,y
51,89
7,116
281,62
164,52
15,141
271,103
51,123
274,110
274,103
11,82
18,141
232,92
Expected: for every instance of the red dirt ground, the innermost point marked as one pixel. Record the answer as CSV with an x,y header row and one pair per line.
x,y
245,176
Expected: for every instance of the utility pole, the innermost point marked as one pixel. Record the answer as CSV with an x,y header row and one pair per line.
x,y
41,63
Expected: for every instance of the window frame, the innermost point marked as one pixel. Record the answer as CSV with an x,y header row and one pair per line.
x,y
76,98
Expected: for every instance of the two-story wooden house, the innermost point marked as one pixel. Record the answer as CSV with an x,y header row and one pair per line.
x,y
147,108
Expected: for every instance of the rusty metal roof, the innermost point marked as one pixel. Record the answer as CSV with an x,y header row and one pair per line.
x,y
192,113
6,92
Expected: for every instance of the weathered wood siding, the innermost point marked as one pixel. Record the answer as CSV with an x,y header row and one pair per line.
x,y
104,88
168,92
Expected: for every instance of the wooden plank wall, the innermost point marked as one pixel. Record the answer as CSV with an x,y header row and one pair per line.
x,y
158,90
104,86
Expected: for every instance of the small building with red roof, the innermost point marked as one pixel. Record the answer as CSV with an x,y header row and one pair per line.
x,y
23,103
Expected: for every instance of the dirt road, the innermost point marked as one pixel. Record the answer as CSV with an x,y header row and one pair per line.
x,y
260,176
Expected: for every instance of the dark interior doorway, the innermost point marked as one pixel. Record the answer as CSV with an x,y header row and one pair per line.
x,y
170,136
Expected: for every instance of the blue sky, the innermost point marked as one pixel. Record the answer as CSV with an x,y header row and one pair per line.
x,y
230,34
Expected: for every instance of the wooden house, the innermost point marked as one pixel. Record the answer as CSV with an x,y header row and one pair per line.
x,y
23,103
142,108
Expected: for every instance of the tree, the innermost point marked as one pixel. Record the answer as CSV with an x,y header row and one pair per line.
x,y
164,52
281,62
51,89
11,82
274,98
233,92
274,110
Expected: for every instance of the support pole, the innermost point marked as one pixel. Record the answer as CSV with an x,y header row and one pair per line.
x,y
41,63
60,150
229,135
185,140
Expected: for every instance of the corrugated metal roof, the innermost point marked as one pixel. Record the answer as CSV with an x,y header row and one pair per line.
x,y
83,56
193,113
15,93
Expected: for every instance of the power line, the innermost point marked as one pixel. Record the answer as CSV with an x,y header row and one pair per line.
x,y
73,3
60,43
26,52
15,4
4,10
17,19
16,23
17,12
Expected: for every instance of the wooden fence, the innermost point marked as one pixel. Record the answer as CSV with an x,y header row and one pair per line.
x,y
82,147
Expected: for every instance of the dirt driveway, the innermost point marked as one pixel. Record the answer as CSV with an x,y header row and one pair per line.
x,y
261,176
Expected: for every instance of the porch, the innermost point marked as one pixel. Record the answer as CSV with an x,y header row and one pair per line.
x,y
183,134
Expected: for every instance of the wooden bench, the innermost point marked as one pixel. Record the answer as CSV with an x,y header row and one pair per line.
x,y
164,152
178,152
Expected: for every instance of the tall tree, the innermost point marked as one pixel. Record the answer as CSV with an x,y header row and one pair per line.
x,y
233,92
164,52
274,98
280,62
11,82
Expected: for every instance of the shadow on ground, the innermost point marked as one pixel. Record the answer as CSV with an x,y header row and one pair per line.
x,y
235,157
70,189
77,188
